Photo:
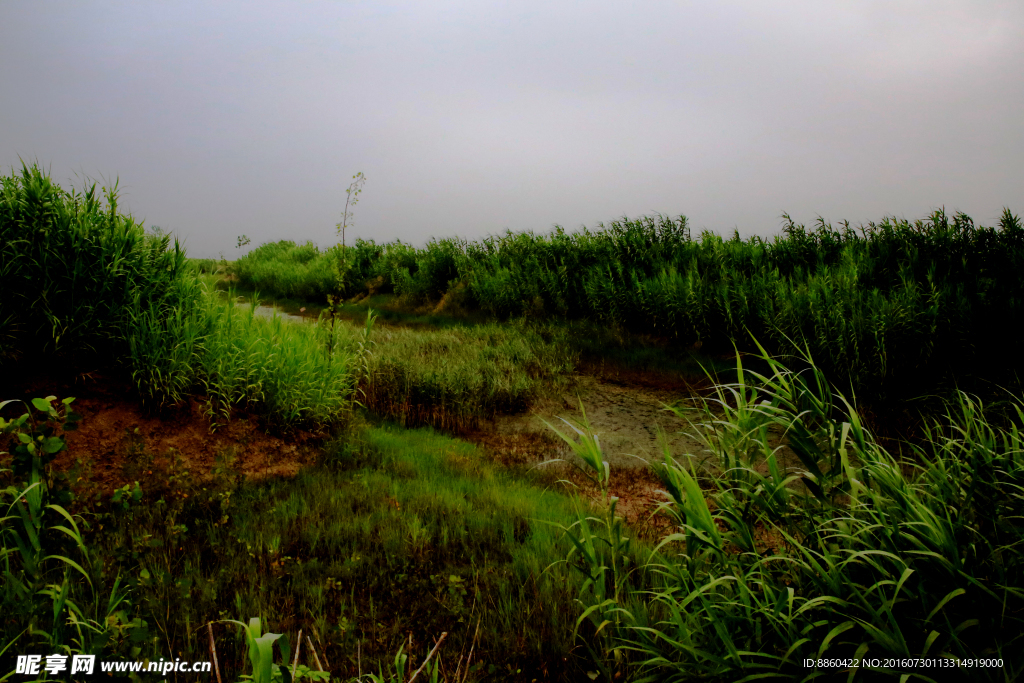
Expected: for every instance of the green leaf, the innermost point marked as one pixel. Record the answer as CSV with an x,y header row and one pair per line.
x,y
4,403
928,642
53,444
942,603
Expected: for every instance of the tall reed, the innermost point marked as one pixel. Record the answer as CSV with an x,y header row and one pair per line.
x,y
70,266
297,375
892,309
802,538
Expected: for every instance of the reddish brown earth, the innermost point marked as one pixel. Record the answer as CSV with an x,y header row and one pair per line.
x,y
118,442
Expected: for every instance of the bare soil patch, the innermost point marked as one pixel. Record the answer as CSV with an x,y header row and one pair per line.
x,y
118,442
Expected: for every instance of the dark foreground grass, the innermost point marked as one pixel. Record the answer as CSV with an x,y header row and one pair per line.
x,y
396,535
801,538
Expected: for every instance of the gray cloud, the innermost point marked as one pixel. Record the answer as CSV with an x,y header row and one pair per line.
x,y
470,117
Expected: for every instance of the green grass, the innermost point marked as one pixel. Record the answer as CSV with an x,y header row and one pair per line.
x,y
289,270
394,309
209,271
799,534
294,375
450,378
389,308
613,353
70,264
207,266
396,532
84,285
454,378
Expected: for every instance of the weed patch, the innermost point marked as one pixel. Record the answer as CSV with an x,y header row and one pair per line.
x,y
398,532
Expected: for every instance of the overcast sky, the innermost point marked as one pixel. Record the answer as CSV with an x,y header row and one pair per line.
x,y
467,118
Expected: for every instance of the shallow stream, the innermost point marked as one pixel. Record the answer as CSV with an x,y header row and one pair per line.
x,y
270,311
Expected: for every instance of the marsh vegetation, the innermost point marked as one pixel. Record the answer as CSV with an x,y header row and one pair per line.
x,y
815,512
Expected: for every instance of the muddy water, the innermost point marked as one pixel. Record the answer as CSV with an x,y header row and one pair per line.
x,y
631,423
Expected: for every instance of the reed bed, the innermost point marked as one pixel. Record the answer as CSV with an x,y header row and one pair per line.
x,y
84,285
275,367
798,536
825,546
295,375
312,374
890,309
287,269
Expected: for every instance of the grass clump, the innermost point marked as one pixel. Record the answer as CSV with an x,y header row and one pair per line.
x,y
804,538
287,269
296,375
453,378
84,284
